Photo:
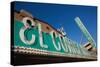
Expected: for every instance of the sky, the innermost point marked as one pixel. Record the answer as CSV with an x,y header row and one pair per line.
x,y
63,15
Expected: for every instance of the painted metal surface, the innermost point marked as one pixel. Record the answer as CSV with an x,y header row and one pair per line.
x,y
66,47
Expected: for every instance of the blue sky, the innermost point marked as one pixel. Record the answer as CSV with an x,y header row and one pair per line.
x,y
63,15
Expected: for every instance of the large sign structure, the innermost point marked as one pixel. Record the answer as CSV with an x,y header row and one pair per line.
x,y
34,37
29,37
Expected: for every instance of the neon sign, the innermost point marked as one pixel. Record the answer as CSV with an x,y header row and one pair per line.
x,y
30,38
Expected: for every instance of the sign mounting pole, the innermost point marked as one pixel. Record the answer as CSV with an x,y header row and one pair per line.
x,y
85,31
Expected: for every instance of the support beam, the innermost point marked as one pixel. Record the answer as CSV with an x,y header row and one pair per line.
x,y
85,31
